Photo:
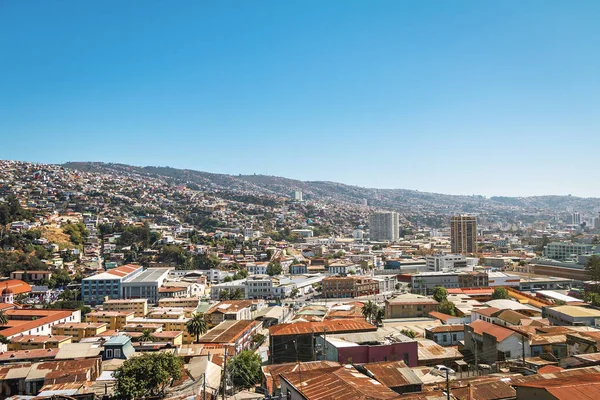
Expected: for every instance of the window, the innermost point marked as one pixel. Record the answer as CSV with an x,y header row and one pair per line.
x,y
109,353
117,353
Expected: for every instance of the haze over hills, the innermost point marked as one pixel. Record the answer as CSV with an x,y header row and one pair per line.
x,y
400,199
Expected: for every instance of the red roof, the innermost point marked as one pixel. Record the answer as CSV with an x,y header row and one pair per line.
x,y
480,327
440,316
549,369
16,286
124,270
488,311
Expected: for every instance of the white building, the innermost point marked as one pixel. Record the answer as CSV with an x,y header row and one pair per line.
x,y
145,285
384,226
445,262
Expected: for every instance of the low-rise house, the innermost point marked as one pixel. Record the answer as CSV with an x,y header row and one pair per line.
x,y
409,306
229,310
31,276
349,286
385,344
336,382
236,335
272,381
296,341
494,343
446,335
118,347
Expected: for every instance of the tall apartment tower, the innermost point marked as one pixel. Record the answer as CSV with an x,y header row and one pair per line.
x,y
576,218
463,234
297,195
384,226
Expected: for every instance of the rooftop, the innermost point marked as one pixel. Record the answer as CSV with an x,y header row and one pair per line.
x,y
576,311
480,327
332,326
149,275
227,331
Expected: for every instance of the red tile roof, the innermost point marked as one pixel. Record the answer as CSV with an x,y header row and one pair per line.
x,y
17,286
124,270
480,327
17,326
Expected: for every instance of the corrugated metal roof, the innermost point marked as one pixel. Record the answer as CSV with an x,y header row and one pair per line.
x,y
227,331
393,374
430,350
272,372
494,390
332,326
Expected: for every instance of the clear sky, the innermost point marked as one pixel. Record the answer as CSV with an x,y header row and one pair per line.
x,y
466,97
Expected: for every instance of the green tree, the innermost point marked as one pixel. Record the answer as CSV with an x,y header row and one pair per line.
x,y
447,307
369,311
592,267
440,293
274,268
227,279
3,318
295,292
500,293
146,336
4,340
593,298
197,326
245,369
147,375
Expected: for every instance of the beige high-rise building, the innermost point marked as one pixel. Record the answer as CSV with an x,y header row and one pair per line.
x,y
463,234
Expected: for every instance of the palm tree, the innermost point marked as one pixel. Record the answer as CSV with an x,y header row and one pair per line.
x,y
3,318
369,310
197,326
147,336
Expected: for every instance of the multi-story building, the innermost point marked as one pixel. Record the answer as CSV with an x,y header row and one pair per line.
x,y
113,319
79,330
443,262
563,251
349,286
463,234
576,218
31,342
107,285
188,302
138,306
258,268
384,226
145,285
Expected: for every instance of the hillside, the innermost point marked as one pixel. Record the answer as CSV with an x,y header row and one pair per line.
x,y
403,200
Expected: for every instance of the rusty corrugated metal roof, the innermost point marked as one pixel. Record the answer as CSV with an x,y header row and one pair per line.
x,y
332,326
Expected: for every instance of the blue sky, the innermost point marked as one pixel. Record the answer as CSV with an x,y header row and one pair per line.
x,y
467,97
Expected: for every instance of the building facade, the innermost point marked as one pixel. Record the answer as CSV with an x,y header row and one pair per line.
x,y
463,234
384,226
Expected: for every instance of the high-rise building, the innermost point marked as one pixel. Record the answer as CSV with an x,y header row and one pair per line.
x,y
297,195
576,218
463,234
384,226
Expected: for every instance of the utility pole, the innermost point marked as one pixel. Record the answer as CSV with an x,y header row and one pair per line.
x,y
523,349
224,373
324,344
447,384
204,386
476,361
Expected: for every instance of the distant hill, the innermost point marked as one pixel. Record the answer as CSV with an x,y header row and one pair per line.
x,y
397,199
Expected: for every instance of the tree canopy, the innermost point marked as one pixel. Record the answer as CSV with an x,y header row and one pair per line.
x,y
274,268
147,375
592,267
500,293
440,293
245,369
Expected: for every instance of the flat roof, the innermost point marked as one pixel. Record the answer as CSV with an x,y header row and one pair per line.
x,y
576,311
149,275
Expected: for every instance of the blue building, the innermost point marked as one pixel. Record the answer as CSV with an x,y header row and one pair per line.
x,y
96,288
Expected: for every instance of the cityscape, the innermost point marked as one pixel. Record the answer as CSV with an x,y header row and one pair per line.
x,y
299,200
247,293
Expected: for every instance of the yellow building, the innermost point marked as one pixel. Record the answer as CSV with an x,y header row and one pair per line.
x,y
185,302
138,306
168,324
114,319
31,342
79,330
173,337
